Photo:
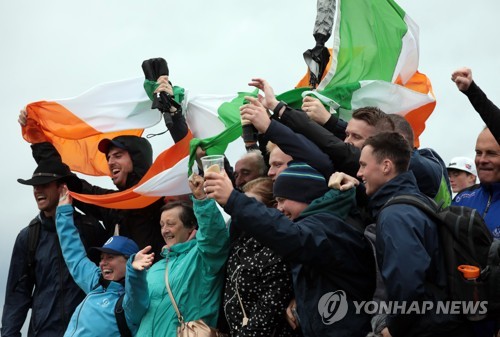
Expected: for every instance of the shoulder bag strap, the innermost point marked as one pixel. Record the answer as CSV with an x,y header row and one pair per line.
x,y
179,316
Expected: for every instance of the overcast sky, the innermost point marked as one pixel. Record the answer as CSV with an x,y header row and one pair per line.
x,y
58,49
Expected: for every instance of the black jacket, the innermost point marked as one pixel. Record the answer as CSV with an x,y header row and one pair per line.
x,y
55,295
488,111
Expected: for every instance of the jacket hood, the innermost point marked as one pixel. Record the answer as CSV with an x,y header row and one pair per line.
x,y
140,152
338,203
404,183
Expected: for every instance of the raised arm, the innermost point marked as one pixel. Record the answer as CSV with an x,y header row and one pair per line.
x,y
85,273
489,112
293,144
212,236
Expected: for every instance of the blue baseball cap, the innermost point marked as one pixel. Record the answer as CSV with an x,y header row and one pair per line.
x,y
118,245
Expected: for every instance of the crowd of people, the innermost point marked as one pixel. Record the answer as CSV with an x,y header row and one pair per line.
x,y
309,235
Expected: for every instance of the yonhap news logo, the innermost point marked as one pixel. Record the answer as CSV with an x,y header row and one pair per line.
x,y
333,307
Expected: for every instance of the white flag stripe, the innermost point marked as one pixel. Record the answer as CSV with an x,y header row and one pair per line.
x,y
114,106
390,98
407,63
202,115
173,181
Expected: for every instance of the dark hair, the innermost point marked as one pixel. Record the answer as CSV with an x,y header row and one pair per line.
x,y
262,187
375,117
402,126
391,145
186,215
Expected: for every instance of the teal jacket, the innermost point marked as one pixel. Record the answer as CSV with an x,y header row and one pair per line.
x,y
95,315
196,276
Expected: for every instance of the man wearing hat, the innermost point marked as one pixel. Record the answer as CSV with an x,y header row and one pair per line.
x,y
462,173
330,260
38,277
121,271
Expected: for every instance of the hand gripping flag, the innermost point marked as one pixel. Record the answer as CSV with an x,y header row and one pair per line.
x,y
76,125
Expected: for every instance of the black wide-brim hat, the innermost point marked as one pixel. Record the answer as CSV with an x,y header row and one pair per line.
x,y
52,170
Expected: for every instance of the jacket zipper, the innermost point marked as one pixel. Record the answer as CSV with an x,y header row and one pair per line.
x,y
488,204
80,311
61,283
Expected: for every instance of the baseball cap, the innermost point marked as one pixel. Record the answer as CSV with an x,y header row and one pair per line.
x,y
118,245
462,164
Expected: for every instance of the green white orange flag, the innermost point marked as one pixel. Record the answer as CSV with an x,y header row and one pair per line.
x,y
374,63
76,125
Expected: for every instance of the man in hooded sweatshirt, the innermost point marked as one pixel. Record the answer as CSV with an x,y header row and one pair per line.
x,y
129,158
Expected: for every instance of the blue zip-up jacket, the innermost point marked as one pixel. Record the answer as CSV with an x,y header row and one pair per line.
x,y
486,200
325,253
95,315
411,260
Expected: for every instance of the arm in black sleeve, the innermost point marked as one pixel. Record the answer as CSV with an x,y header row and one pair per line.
x,y
306,241
336,126
19,289
44,151
179,129
299,147
488,111
345,157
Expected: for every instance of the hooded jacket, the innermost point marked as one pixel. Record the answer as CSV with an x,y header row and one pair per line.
x,y
327,257
55,295
142,225
196,274
486,200
411,261
95,316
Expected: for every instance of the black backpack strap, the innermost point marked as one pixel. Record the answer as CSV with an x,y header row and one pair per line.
x,y
33,237
417,202
120,318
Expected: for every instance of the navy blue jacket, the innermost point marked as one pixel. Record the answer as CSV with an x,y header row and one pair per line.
x,y
299,148
55,296
325,254
410,260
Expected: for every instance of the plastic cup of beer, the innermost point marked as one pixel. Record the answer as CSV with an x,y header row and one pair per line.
x,y
214,163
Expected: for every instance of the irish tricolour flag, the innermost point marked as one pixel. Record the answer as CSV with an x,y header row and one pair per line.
x,y
374,61
76,125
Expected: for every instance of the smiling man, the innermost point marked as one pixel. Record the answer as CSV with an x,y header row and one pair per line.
x,y
409,255
485,197
54,296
